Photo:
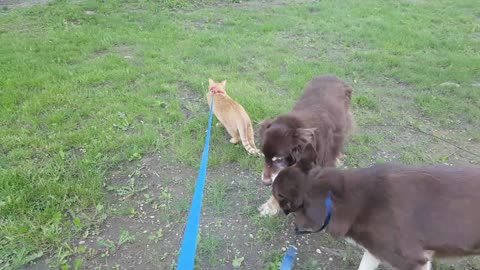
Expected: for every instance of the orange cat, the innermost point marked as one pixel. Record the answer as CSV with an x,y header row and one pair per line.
x,y
232,116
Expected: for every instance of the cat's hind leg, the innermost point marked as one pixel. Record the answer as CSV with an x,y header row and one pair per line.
x,y
233,131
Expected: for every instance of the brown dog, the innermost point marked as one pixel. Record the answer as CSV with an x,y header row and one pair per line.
x,y
401,215
322,117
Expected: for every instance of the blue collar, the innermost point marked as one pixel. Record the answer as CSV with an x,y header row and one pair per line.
x,y
328,205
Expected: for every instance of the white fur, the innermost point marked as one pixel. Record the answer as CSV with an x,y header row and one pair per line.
x,y
429,254
427,266
270,208
369,262
276,158
274,176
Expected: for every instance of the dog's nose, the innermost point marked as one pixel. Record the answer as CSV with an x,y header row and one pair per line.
x,y
297,231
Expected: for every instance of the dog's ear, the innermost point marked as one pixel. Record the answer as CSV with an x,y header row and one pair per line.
x,y
295,198
331,179
307,158
304,135
288,193
264,125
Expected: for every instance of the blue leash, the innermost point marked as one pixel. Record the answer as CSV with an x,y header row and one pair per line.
x,y
289,258
328,206
186,259
291,253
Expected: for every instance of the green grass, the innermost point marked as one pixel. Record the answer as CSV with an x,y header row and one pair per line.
x,y
81,92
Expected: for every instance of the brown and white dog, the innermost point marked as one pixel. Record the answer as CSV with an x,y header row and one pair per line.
x,y
402,215
322,117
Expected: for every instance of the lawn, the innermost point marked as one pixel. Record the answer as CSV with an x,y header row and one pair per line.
x,y
103,117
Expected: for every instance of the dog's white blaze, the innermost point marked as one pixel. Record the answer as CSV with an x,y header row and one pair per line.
x,y
274,176
277,158
369,262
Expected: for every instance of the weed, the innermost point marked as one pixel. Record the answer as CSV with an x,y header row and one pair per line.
x,y
128,190
273,260
313,264
157,236
125,237
209,247
109,245
216,196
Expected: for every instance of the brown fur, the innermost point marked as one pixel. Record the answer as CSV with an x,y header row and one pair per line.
x,y
322,117
403,215
232,116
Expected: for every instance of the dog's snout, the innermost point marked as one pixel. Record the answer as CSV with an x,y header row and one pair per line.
x,y
297,231
266,179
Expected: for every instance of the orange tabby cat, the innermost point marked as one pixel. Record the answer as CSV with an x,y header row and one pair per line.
x,y
232,116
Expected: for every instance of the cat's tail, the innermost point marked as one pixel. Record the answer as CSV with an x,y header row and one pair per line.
x,y
246,135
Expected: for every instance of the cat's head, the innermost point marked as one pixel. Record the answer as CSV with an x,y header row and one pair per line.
x,y
217,87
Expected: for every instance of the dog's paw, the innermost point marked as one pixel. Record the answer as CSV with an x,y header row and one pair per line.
x,y
267,209
338,162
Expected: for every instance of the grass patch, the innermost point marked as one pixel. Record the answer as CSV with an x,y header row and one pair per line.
x,y
209,247
216,196
366,102
88,85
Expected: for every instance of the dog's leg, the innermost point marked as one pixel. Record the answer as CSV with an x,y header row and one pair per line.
x,y
369,262
428,254
270,208
427,266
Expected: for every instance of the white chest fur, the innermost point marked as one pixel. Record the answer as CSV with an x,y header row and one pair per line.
x,y
370,262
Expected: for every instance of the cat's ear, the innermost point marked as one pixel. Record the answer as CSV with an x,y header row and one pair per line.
x,y
210,82
224,83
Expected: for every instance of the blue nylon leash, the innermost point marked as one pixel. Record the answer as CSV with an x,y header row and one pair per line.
x,y
186,259
328,206
289,258
291,253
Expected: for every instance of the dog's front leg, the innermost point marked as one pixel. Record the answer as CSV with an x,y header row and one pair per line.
x,y
270,208
369,262
427,266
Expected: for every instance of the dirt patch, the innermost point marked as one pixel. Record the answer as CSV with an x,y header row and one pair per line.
x,y
191,101
149,202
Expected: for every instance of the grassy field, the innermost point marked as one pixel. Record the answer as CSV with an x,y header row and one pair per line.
x,y
103,117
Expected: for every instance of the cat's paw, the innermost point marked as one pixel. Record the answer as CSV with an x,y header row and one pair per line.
x,y
268,209
234,140
218,124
